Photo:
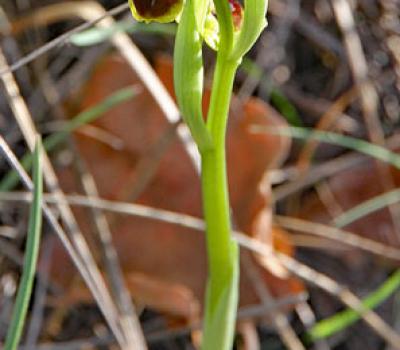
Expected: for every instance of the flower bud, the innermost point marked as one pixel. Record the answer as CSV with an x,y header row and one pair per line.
x,y
237,13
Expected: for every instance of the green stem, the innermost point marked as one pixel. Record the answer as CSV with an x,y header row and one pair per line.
x,y
223,259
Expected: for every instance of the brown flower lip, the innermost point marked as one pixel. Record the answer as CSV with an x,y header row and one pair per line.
x,y
154,8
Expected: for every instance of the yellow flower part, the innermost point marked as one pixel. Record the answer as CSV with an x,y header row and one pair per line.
x,y
162,11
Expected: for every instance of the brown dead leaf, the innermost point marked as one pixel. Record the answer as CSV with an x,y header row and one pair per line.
x,y
349,188
165,254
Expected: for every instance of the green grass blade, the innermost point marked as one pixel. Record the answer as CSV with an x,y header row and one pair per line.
x,y
344,319
98,35
31,255
277,97
12,179
361,146
285,107
367,207
353,143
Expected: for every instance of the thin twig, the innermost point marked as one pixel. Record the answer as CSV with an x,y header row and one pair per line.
x,y
335,234
278,318
109,314
325,231
25,122
329,119
325,170
129,320
367,92
154,337
308,318
59,41
295,267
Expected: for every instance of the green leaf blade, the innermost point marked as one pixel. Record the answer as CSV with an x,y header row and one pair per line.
x,y
11,180
367,207
355,144
31,256
346,318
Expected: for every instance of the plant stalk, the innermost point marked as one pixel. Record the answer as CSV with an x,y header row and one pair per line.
x,y
223,255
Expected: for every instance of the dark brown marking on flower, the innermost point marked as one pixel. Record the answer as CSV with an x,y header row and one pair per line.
x,y
154,8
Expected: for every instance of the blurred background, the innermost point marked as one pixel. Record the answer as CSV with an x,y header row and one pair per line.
x,y
313,174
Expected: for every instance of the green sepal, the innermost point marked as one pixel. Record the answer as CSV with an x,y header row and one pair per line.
x,y
201,8
206,22
253,24
210,31
188,76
